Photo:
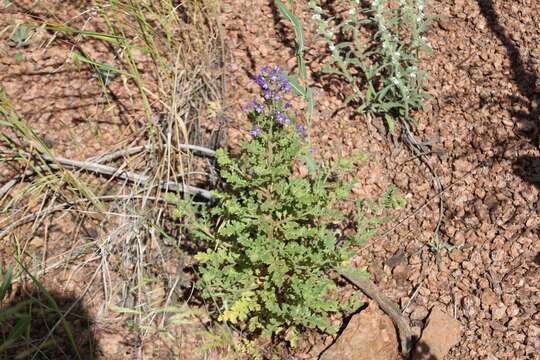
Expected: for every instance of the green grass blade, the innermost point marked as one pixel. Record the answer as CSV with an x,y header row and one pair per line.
x,y
54,305
297,89
299,34
91,34
6,282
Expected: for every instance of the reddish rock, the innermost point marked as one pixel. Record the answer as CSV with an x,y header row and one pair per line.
x,y
419,313
440,335
370,335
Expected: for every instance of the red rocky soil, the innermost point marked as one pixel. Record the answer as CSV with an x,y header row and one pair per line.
x,y
484,125
65,104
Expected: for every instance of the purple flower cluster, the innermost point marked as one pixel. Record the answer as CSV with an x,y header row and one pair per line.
x,y
282,118
254,105
301,130
274,85
273,82
255,131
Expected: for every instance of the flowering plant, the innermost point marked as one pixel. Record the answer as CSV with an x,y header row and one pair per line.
x,y
382,70
271,247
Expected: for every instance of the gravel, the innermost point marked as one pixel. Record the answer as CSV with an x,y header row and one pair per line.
x,y
484,119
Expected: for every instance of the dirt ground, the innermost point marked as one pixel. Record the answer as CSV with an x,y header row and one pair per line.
x,y
483,125
483,122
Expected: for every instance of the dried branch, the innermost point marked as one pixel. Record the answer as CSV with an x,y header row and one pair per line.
x,y
387,306
95,162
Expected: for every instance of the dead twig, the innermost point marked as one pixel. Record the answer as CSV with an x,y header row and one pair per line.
x,y
413,295
371,290
57,163
136,149
420,150
101,159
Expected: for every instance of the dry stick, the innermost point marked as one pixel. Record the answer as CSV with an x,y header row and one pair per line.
x,y
369,288
419,149
101,159
124,175
413,295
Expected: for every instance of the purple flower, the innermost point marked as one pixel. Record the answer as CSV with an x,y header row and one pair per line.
x,y
301,129
287,105
255,131
254,105
285,85
261,81
271,95
273,82
276,73
278,77
259,108
282,118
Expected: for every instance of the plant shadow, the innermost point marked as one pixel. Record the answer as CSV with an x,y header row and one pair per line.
x,y
45,325
527,106
422,351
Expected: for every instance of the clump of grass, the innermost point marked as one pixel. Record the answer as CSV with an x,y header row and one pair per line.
x,y
170,59
28,324
378,56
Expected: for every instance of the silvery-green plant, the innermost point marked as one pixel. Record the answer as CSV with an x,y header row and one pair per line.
x,y
20,38
382,69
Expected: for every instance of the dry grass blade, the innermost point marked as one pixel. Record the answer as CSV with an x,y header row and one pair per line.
x,y
170,59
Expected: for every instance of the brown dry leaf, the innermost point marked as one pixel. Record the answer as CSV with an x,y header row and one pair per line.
x,y
37,241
